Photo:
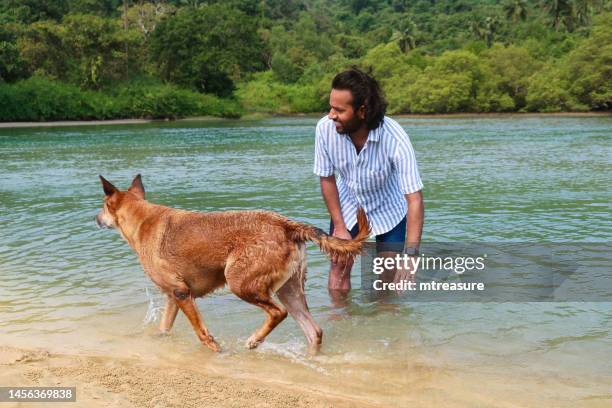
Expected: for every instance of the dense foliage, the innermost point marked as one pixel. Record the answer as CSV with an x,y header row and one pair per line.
x,y
80,59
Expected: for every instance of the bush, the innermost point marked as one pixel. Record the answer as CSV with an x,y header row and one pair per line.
x,y
39,99
264,94
261,93
589,67
434,94
548,92
509,69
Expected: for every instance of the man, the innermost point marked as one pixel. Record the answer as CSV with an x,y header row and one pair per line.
x,y
365,159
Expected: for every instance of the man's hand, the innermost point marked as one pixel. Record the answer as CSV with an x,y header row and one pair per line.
x,y
405,273
342,233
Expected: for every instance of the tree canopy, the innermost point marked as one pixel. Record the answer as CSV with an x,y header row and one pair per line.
x,y
279,56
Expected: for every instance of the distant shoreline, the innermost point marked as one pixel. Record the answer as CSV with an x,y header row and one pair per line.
x,y
503,114
60,123
65,123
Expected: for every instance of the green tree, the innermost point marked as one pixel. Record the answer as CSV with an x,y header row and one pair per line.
x,y
395,71
433,94
560,12
98,46
12,65
548,92
284,69
486,29
144,17
583,11
187,3
515,10
29,11
386,61
299,48
506,75
42,48
405,35
208,48
589,67
449,85
84,49
103,8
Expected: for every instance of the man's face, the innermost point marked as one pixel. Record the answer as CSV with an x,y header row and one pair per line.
x,y
341,111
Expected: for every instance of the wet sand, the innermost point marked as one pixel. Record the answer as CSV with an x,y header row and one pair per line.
x,y
122,382
113,381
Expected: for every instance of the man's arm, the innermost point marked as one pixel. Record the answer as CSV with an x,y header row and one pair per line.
x,y
416,215
329,190
410,184
414,228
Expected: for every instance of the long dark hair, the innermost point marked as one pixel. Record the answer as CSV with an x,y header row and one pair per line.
x,y
365,92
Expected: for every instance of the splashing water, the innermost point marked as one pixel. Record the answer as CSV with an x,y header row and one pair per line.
x,y
154,309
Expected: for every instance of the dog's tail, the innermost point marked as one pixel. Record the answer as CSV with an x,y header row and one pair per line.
x,y
331,245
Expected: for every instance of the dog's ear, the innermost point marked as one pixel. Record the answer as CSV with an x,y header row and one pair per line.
x,y
137,187
109,189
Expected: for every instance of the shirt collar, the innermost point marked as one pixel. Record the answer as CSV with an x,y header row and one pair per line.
x,y
374,134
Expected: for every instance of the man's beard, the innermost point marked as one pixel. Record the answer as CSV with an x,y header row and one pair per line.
x,y
350,126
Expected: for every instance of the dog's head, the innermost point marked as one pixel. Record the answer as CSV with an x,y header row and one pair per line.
x,y
114,199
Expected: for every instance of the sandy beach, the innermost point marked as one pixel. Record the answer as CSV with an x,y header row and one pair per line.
x,y
122,382
117,381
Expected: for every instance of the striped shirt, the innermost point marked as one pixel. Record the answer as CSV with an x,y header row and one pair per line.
x,y
376,179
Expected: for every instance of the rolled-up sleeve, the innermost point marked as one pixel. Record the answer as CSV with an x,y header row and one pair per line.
x,y
323,166
406,166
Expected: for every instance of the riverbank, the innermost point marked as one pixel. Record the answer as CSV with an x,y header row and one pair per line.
x,y
63,123
507,114
258,116
104,381
203,379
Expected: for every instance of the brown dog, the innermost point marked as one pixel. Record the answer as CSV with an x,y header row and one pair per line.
x,y
189,254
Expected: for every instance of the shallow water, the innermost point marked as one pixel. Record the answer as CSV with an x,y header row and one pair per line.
x,y
67,286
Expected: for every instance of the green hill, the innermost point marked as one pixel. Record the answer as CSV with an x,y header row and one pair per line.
x,y
81,59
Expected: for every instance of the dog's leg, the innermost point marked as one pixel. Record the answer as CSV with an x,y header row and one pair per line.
x,y
250,282
236,274
275,315
291,294
170,311
186,303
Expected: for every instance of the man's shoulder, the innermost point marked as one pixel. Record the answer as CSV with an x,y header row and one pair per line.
x,y
393,128
325,126
324,122
390,124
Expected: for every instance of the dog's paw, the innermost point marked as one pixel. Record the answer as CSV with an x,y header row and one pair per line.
x,y
212,344
161,334
252,342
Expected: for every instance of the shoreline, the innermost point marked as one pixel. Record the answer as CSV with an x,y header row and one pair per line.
x,y
504,114
260,116
108,381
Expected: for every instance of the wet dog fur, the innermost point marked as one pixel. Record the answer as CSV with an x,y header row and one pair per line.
x,y
257,254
